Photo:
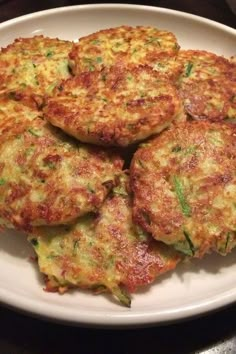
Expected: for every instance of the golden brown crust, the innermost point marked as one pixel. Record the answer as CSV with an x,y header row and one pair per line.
x,y
14,117
32,67
185,187
207,85
48,178
115,106
103,252
127,46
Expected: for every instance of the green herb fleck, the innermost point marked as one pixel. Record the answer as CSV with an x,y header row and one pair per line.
x,y
99,59
34,242
49,54
95,42
122,295
104,99
89,62
91,190
50,165
121,191
153,40
190,243
176,46
2,181
75,247
142,94
188,69
34,132
29,151
142,235
176,148
51,256
179,189
91,68
215,141
140,163
229,243
227,240
190,150
160,66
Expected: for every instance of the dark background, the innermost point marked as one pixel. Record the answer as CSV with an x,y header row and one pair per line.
x,y
212,334
216,10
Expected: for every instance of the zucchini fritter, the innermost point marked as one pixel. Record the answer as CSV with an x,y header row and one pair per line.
x,y
115,106
127,46
33,66
184,184
14,117
48,178
208,85
102,252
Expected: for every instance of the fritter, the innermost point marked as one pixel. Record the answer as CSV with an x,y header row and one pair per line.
x,y
104,252
34,66
127,45
184,185
208,85
48,178
115,106
14,117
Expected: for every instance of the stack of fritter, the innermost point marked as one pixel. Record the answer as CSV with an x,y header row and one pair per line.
x,y
91,225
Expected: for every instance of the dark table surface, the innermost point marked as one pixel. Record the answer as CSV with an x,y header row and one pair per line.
x,y
212,334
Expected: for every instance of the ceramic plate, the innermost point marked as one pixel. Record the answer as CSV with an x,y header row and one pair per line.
x,y
190,290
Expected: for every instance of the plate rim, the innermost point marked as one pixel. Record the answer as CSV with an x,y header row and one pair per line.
x,y
117,319
164,10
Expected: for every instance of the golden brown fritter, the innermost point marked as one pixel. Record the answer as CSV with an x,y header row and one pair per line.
x,y
184,184
208,85
33,66
127,46
48,178
102,252
115,106
14,117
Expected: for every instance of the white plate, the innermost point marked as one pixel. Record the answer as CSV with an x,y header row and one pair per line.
x,y
206,285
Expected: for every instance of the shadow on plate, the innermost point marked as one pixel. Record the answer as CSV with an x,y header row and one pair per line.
x,y
15,244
